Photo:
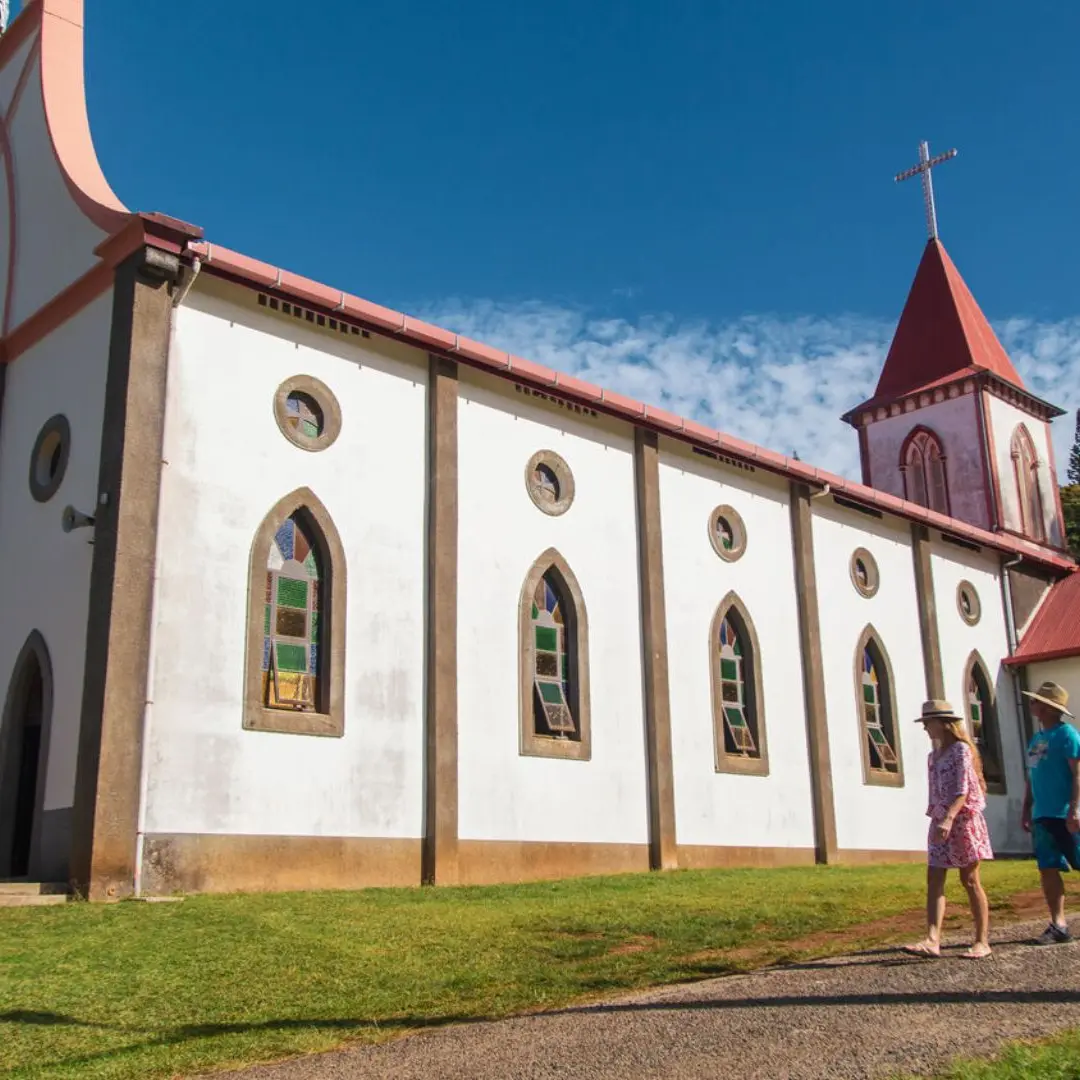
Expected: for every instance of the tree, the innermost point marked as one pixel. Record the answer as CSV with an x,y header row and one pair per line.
x,y
1070,506
1073,471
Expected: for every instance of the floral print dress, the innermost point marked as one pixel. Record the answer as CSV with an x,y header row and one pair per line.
x,y
952,773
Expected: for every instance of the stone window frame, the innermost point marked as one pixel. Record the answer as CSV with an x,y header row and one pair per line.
x,y
564,477
738,530
723,761
875,777
324,397
332,600
43,490
873,575
1026,473
991,720
531,744
916,458
975,615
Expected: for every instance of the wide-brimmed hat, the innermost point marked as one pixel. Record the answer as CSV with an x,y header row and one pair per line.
x,y
938,709
1057,697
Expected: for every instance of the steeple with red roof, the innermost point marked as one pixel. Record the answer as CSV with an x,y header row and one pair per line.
x,y
950,424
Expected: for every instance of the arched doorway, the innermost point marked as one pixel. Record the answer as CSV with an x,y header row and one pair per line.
x,y
24,730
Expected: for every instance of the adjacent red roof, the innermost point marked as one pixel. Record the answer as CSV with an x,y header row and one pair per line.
x,y
942,333
1054,633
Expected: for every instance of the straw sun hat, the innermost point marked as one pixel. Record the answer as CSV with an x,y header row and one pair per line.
x,y
938,709
1049,693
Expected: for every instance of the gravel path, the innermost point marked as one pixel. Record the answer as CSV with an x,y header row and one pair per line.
x,y
861,1016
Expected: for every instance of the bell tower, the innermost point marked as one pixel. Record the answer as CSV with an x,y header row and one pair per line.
x,y
951,425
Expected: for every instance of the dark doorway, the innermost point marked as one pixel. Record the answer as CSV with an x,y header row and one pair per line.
x,y
22,747
26,783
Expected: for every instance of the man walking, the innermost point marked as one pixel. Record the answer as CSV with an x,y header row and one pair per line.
x,y
1052,801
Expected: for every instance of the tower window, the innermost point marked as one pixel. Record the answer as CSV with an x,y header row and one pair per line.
x,y
922,464
1026,472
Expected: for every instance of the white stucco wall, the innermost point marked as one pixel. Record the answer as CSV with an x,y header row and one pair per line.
x,y
56,240
950,565
955,422
227,465
9,78
504,795
716,808
868,816
45,572
1004,420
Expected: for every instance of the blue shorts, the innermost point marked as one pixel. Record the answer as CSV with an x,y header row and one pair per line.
x,y
1055,847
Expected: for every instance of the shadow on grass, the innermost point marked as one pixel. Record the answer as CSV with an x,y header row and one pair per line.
x,y
404,1024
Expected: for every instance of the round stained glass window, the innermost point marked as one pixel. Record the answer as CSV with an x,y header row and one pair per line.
x,y
549,482
864,572
968,603
307,413
727,533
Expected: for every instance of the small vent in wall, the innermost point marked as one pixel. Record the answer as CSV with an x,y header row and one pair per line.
x,y
286,307
867,510
967,544
724,459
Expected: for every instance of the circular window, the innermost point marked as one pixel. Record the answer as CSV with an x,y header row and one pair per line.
x,y
307,412
727,533
968,603
550,482
864,572
49,458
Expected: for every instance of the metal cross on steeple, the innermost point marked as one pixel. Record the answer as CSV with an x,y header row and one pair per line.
x,y
926,163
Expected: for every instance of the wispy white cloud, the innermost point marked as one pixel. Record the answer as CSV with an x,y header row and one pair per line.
x,y
779,382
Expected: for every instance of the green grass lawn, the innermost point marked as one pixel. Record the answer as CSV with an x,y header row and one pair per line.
x,y
1050,1059
155,990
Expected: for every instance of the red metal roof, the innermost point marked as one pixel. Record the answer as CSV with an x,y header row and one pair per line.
x,y
941,333
1054,633
337,303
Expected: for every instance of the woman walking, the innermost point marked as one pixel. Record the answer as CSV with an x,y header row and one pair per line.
x,y
959,838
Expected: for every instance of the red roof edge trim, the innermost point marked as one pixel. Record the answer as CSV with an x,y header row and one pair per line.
x,y
1023,659
251,272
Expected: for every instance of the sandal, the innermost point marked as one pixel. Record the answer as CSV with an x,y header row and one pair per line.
x,y
976,952
924,949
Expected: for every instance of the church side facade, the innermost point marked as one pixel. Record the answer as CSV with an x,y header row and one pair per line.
x,y
304,593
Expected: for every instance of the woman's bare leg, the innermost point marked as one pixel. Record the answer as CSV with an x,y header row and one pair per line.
x,y
935,913
980,911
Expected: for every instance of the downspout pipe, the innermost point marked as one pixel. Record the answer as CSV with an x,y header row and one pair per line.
x,y
1013,642
824,491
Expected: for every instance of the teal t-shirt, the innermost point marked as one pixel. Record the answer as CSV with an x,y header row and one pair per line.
x,y
1049,754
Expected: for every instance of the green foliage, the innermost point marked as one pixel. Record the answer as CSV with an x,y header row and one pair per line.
x,y
1070,506
1051,1059
1073,471
159,990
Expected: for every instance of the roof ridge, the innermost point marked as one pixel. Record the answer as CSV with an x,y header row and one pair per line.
x,y
941,331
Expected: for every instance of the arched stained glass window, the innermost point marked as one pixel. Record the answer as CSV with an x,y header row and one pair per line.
x,y
553,713
1026,472
738,704
877,712
923,465
983,722
738,729
291,629
554,662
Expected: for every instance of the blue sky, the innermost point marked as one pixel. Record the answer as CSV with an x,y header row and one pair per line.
x,y
608,185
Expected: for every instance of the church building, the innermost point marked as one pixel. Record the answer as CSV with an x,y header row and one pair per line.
x,y
303,592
